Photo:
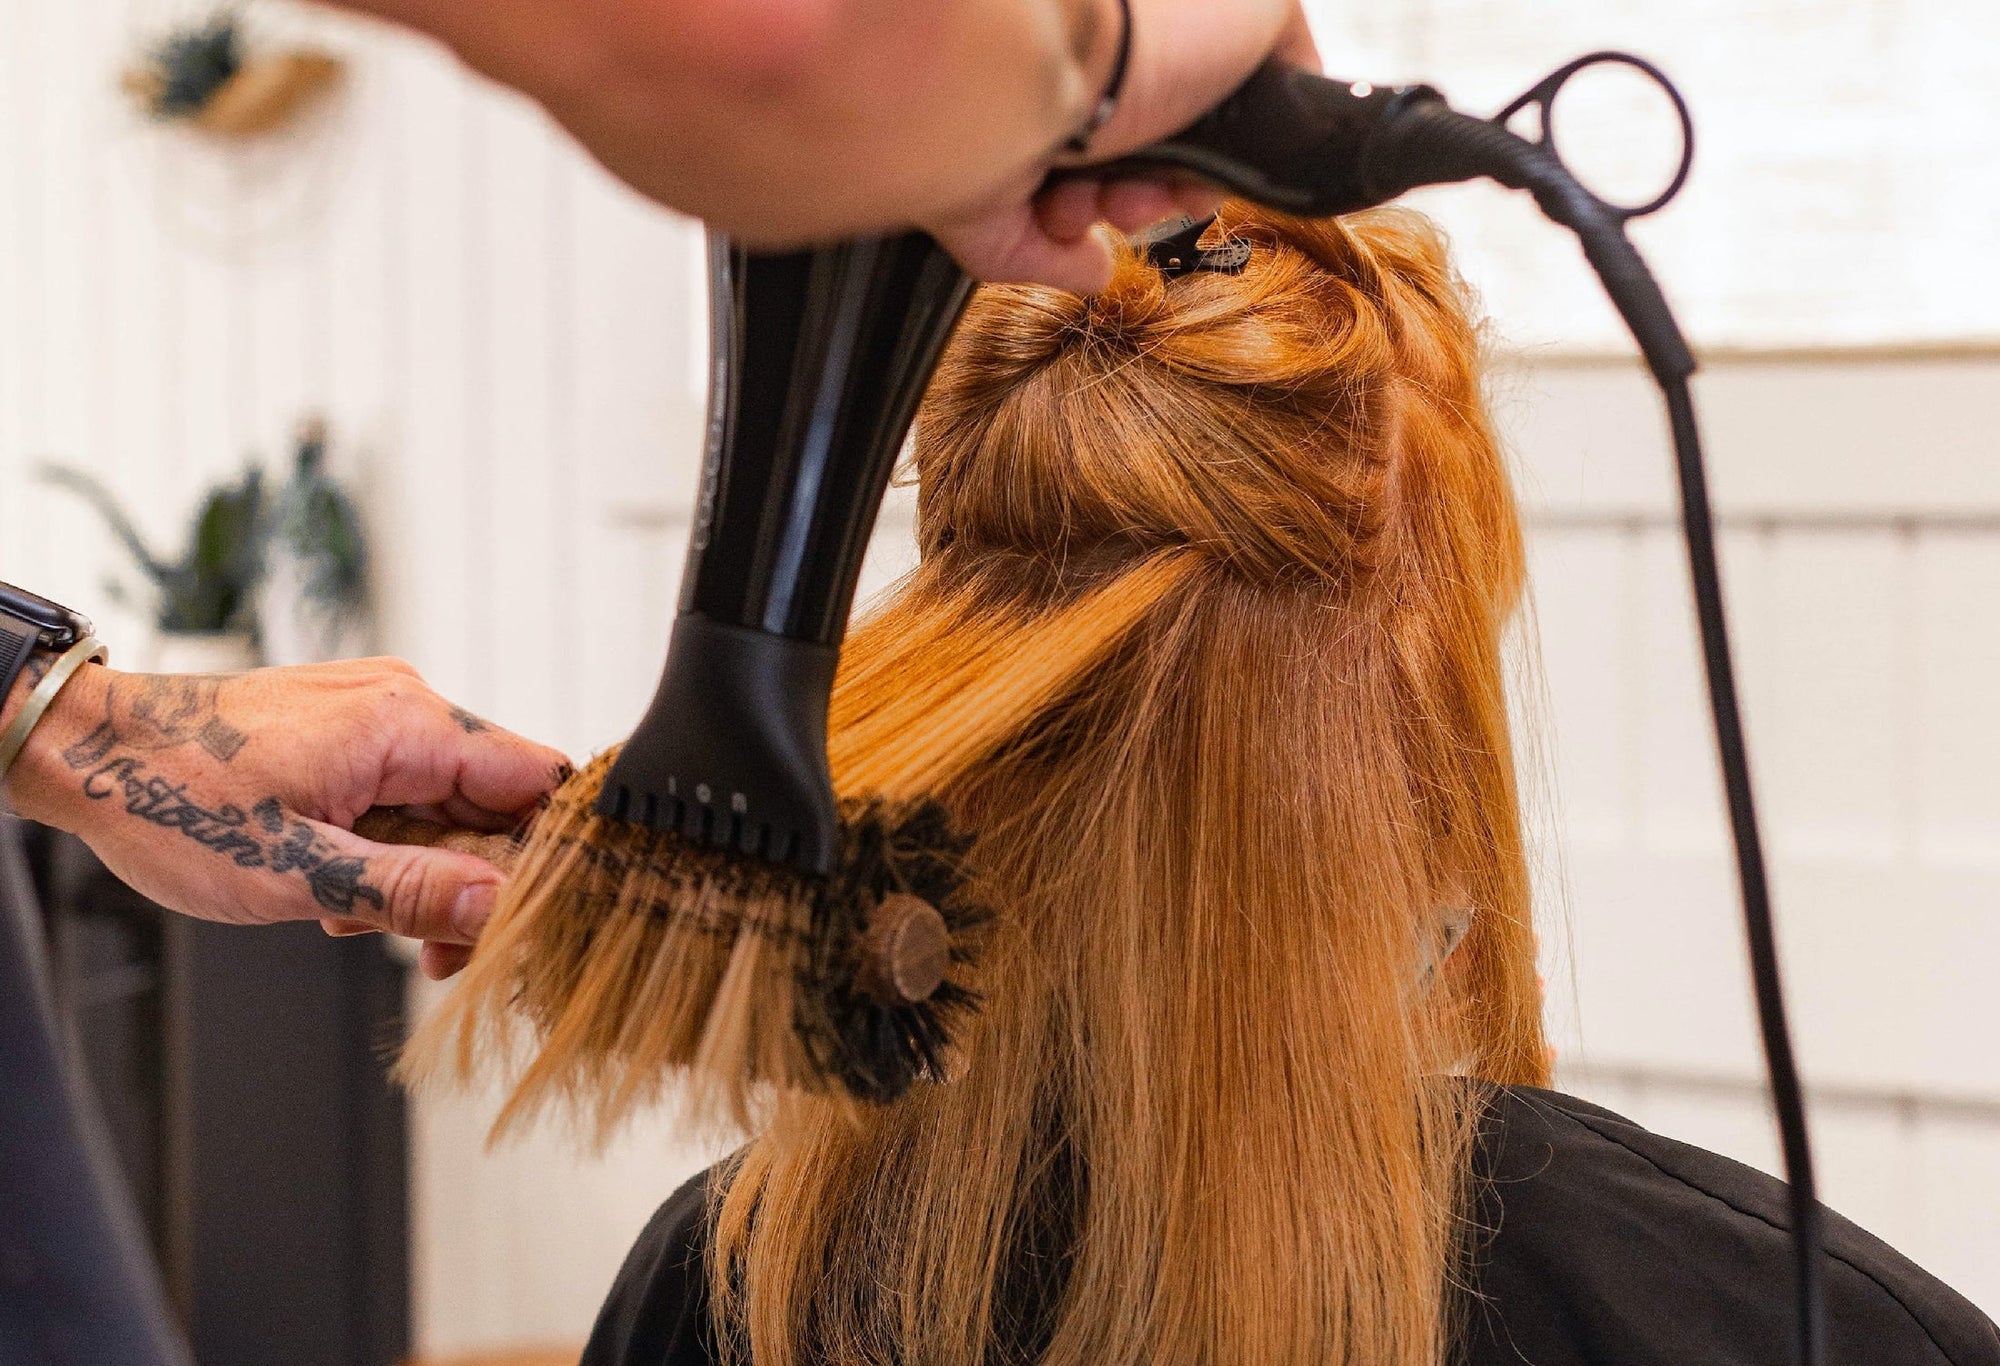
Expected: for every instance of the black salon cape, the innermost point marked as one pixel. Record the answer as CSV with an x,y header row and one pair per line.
x,y
1604,1245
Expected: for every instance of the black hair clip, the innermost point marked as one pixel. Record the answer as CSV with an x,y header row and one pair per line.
x,y
1175,247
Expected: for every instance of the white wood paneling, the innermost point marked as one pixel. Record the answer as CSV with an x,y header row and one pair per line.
x,y
1585,579
1955,639
1865,636
1867,1166
1958,1209
517,474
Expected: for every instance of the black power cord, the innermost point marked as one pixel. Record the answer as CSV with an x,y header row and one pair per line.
x,y
1787,1099
1430,144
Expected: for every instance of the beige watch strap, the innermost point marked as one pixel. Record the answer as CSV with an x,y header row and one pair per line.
x,y
88,650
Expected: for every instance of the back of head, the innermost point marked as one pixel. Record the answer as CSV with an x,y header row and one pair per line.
x,y
1206,646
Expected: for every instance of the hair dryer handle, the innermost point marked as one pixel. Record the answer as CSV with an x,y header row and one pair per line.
x,y
818,361
1286,138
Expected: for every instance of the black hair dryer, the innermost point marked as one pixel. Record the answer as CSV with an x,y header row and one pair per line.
x,y
818,360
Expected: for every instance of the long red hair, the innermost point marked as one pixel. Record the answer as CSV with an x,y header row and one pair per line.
x,y
1206,645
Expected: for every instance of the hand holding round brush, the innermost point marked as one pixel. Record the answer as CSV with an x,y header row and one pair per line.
x,y
234,797
895,954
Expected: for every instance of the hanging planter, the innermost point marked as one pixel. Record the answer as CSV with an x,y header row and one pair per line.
x,y
204,76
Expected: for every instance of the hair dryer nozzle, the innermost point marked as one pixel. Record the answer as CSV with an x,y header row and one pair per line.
x,y
732,752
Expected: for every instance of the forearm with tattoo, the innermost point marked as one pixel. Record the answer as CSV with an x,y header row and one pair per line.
x,y
152,714
229,797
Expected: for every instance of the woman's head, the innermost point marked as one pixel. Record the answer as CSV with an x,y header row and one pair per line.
x,y
1287,422
1205,645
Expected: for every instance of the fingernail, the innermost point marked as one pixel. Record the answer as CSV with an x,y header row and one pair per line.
x,y
474,908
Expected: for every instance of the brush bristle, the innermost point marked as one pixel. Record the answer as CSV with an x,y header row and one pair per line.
x,y
877,1052
620,961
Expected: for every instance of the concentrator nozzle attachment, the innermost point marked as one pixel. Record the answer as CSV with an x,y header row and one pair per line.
x,y
747,774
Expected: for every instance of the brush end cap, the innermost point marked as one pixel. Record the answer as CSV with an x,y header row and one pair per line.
x,y
905,952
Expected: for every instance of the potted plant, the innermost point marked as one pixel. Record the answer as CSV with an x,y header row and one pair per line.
x,y
279,580
204,599
314,601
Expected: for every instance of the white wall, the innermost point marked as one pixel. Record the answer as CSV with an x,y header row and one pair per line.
x,y
1860,503
508,346
1845,181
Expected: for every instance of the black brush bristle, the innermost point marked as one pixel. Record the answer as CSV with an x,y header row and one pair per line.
x,y
877,1052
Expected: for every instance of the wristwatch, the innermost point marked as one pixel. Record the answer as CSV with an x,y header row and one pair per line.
x,y
30,622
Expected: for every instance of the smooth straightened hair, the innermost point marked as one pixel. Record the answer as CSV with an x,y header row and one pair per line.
x,y
1206,645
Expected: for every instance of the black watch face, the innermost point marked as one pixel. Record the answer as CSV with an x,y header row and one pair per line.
x,y
54,625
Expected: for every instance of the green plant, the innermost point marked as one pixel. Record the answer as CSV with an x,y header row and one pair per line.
x,y
210,587
317,523
185,68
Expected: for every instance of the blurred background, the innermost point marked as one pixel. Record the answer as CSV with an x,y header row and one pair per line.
x,y
467,369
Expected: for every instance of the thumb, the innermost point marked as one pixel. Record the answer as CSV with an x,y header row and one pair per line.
x,y
1297,45
1013,246
431,894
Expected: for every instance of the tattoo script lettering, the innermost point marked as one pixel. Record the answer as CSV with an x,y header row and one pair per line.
x,y
166,804
263,837
336,880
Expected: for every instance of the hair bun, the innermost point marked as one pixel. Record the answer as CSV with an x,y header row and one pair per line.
x,y
1260,417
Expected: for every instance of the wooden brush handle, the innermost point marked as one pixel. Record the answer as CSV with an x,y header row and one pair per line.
x,y
389,825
